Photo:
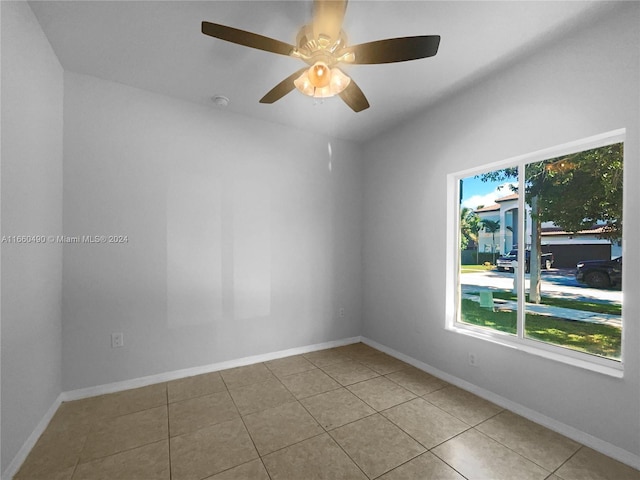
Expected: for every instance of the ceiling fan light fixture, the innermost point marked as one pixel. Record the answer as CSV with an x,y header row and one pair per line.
x,y
331,82
322,44
319,75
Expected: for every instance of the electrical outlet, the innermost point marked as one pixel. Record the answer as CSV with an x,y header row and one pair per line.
x,y
341,312
473,359
117,340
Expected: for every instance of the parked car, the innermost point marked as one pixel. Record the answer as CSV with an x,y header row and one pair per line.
x,y
600,273
504,262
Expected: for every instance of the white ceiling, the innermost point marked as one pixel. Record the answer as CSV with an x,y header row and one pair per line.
x,y
158,46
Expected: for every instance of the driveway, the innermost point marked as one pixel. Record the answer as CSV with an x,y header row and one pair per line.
x,y
559,283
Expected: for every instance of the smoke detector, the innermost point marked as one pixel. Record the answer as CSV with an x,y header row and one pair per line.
x,y
220,100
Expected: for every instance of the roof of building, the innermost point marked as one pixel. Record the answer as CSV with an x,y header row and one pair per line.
x,y
488,208
594,230
513,196
496,206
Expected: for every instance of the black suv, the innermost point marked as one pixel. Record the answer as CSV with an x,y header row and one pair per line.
x,y
600,273
504,262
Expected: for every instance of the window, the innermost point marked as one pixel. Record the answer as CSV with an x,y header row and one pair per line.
x,y
536,252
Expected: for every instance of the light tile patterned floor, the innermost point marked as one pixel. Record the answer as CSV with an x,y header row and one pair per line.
x,y
346,413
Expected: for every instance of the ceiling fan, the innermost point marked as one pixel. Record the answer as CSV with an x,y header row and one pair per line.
x,y
322,44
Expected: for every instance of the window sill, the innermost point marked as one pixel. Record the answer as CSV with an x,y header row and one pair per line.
x,y
600,365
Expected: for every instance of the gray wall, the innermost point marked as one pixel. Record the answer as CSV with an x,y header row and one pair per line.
x,y
32,96
244,237
584,85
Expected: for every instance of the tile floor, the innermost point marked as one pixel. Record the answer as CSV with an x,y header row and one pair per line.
x,y
345,413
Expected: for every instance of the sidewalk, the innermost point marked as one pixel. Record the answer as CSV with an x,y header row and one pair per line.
x,y
560,312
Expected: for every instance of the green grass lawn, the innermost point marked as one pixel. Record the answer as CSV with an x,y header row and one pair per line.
x,y
593,338
609,308
475,268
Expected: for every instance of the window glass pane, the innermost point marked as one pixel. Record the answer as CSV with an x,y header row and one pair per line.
x,y
574,226
487,231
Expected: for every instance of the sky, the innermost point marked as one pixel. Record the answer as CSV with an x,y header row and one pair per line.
x,y
475,192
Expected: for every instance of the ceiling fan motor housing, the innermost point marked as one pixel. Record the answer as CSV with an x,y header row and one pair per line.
x,y
322,48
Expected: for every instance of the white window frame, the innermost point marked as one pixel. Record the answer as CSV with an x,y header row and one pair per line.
x,y
518,341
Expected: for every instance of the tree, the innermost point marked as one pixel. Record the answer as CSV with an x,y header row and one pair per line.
x,y
574,192
492,226
580,190
469,227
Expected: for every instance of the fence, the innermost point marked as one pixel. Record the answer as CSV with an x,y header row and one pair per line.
x,y
468,257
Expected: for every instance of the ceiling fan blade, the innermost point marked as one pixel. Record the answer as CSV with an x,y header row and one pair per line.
x,y
248,39
284,87
393,50
353,96
328,16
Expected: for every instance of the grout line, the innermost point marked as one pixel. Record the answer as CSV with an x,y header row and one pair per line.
x,y
347,454
91,460
428,452
75,467
442,459
448,440
567,460
378,413
392,406
324,432
518,453
309,396
510,449
448,464
84,444
409,434
296,373
332,389
354,383
224,382
236,466
408,389
505,446
168,430
265,468
442,387
348,423
292,445
206,425
92,425
101,419
245,425
353,421
197,395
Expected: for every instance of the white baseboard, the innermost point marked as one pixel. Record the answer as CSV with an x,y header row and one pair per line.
x,y
579,436
188,372
21,456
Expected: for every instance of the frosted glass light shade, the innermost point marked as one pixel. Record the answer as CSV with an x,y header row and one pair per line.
x,y
337,83
319,75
